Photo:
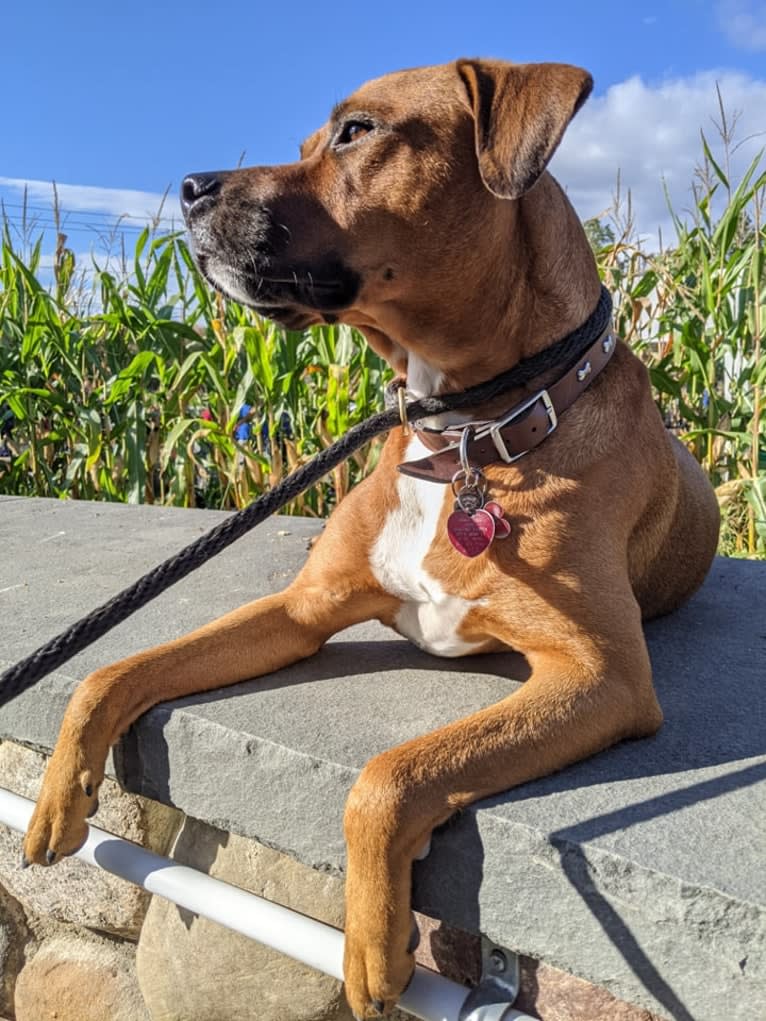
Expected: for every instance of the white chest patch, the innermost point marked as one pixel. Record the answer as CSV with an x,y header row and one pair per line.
x,y
429,617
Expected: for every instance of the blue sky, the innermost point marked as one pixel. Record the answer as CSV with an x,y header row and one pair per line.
x,y
128,97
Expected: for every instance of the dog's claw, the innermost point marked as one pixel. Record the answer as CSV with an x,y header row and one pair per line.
x,y
377,1005
424,851
50,856
25,862
88,788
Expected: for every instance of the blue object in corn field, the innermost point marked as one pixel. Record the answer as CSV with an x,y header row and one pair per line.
x,y
243,430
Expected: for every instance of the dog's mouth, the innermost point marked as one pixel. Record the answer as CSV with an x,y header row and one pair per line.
x,y
294,297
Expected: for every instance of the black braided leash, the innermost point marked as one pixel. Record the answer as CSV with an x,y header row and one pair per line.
x,y
58,650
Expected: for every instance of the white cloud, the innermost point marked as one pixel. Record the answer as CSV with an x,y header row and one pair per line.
x,y
117,202
743,22
651,133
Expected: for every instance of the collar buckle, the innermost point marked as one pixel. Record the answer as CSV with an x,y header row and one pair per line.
x,y
495,430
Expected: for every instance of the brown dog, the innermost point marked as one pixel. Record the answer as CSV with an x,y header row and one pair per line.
x,y
423,215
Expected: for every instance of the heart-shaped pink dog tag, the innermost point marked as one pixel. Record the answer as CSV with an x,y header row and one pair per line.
x,y
502,528
470,534
502,524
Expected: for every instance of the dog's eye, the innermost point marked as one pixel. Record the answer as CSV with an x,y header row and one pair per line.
x,y
352,131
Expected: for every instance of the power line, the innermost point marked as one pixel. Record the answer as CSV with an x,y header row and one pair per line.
x,y
48,211
116,227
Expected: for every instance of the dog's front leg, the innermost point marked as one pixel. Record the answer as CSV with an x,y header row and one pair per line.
x,y
254,640
565,712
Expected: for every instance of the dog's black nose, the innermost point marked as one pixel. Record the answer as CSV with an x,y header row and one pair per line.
x,y
197,187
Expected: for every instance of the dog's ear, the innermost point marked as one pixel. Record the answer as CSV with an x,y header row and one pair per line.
x,y
520,112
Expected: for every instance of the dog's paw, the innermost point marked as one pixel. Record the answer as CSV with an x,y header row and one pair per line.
x,y
58,825
376,974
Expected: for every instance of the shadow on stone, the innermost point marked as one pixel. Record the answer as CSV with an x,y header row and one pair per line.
x,y
578,874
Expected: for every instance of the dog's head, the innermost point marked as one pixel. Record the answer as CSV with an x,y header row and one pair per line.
x,y
381,219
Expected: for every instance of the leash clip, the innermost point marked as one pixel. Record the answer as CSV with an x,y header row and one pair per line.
x,y
401,398
465,464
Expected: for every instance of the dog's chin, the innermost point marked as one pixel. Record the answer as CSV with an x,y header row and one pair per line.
x,y
292,318
296,300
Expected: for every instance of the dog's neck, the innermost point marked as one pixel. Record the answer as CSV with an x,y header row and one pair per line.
x,y
562,283
537,283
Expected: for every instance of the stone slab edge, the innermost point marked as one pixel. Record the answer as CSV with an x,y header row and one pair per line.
x,y
651,939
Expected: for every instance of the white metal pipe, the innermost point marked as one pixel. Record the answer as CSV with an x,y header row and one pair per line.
x,y
429,996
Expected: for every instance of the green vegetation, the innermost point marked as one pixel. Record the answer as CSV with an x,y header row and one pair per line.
x,y
128,385
695,313
139,400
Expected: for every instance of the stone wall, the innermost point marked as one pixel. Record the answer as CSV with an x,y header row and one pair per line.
x,y
72,931
640,869
77,944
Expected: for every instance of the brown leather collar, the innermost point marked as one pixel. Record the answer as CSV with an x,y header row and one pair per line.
x,y
517,431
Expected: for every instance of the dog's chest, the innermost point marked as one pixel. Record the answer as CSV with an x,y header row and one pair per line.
x,y
429,616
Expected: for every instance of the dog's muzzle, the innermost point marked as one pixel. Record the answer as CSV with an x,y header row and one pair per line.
x,y
245,249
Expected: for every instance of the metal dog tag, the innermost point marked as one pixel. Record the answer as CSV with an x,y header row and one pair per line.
x,y
469,499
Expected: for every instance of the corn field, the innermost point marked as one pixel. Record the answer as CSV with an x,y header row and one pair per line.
x,y
140,401
143,385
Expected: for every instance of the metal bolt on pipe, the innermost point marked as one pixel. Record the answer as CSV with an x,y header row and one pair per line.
x,y
429,996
